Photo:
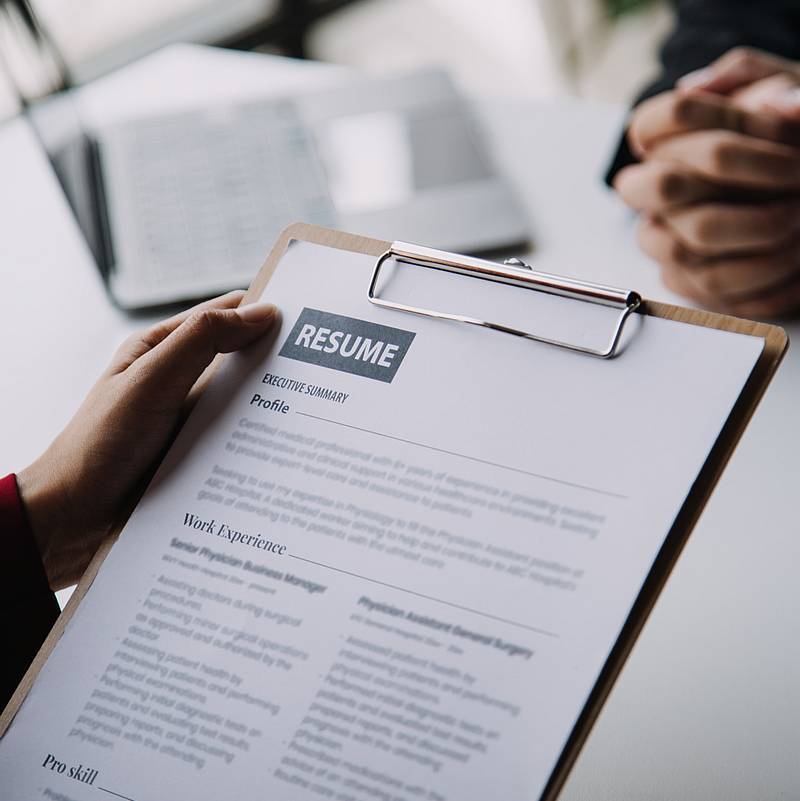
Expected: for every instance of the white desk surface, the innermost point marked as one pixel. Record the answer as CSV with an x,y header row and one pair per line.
x,y
708,706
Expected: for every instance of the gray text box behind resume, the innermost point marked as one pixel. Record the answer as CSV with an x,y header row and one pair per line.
x,y
347,344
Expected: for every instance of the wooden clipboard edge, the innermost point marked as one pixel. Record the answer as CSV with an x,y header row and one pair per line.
x,y
775,345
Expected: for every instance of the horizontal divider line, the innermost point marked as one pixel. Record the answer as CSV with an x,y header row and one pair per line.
x,y
428,597
466,456
111,792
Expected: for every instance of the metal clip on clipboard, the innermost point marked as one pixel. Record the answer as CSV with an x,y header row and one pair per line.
x,y
514,273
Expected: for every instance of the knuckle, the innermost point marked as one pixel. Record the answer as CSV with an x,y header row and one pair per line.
x,y
740,56
704,228
204,329
670,187
133,346
150,337
710,280
203,322
678,255
132,342
134,377
662,248
723,154
734,118
685,109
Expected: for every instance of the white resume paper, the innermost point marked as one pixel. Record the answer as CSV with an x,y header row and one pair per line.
x,y
385,560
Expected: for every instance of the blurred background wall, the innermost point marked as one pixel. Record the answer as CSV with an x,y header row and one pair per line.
x,y
523,48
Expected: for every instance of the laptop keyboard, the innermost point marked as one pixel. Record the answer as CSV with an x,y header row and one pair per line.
x,y
206,193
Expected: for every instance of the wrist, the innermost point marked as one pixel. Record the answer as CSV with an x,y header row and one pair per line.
x,y
43,500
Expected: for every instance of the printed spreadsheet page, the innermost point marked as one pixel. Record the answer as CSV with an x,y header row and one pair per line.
x,y
386,557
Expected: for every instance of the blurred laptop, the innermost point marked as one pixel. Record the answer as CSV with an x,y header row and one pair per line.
x,y
186,206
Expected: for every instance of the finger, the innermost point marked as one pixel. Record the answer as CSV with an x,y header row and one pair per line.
x,y
734,159
655,186
715,283
673,113
673,258
174,365
777,302
736,68
787,104
142,341
758,97
717,229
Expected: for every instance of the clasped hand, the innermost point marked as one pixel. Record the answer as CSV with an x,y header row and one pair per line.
x,y
718,185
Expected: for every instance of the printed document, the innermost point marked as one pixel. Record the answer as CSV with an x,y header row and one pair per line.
x,y
386,558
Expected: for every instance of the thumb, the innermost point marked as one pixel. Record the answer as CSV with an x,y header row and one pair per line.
x,y
787,104
171,368
737,68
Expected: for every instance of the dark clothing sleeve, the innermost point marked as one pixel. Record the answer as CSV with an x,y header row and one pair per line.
x,y
705,30
29,608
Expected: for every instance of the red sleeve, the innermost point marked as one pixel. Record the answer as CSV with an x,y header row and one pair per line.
x,y
29,607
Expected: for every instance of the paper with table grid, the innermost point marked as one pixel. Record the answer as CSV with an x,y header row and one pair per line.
x,y
386,558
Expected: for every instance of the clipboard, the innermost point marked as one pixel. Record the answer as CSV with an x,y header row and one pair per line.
x,y
515,273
